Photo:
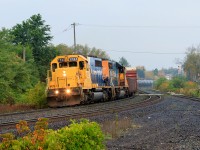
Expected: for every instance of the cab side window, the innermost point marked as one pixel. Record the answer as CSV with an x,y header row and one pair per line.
x,y
110,66
81,65
98,63
54,67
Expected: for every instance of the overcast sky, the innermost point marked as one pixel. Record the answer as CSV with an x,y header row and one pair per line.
x,y
139,30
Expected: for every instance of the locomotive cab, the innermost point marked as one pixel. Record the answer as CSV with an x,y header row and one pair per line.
x,y
66,78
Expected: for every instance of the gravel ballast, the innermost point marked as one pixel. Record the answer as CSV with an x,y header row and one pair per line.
x,y
173,123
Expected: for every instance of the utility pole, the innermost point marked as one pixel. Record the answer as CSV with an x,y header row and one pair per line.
x,y
74,25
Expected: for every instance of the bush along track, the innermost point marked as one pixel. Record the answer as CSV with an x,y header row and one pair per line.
x,y
179,85
78,135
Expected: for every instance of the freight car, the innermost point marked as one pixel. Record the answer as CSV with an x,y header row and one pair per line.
x,y
131,75
78,79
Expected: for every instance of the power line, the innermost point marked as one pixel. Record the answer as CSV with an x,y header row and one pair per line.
x,y
128,51
65,30
68,28
139,26
144,52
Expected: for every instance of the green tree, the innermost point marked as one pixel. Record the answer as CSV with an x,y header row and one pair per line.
x,y
123,61
6,44
63,49
98,53
85,50
47,54
32,32
178,82
155,72
16,76
192,63
5,37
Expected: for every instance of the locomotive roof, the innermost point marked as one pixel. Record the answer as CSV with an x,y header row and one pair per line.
x,y
62,56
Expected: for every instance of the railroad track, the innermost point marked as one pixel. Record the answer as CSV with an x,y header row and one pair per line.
x,y
178,95
87,112
49,110
187,97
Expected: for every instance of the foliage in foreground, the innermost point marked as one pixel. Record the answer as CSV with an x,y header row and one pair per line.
x,y
83,135
178,85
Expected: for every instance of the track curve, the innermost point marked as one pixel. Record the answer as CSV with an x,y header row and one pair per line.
x,y
118,106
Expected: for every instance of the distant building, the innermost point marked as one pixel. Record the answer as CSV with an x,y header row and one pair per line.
x,y
168,76
180,70
140,67
141,72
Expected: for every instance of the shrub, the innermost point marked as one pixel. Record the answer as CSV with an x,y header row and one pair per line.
x,y
36,96
178,85
190,84
159,82
82,135
178,82
164,86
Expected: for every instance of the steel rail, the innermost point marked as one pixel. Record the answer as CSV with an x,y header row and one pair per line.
x,y
90,113
63,108
187,97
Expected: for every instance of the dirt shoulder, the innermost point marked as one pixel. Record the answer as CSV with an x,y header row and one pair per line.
x,y
173,123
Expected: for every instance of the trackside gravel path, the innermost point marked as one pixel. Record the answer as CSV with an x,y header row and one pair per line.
x,y
174,123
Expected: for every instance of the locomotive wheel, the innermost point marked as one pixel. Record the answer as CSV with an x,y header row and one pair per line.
x,y
105,96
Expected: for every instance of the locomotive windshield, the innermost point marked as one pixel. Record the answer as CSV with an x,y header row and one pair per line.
x,y
73,64
63,64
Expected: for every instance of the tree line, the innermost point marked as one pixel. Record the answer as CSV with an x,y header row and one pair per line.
x,y
18,75
25,55
21,78
191,64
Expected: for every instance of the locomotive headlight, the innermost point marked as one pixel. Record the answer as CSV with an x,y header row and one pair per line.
x,y
56,92
68,91
64,74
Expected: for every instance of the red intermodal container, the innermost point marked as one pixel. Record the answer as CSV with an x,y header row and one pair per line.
x,y
131,75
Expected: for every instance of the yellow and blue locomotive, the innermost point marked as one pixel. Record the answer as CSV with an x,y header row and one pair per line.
x,y
77,79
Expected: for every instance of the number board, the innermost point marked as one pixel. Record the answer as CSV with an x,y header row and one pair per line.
x,y
73,59
61,59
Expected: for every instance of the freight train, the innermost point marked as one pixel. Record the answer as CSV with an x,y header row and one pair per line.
x,y
78,79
